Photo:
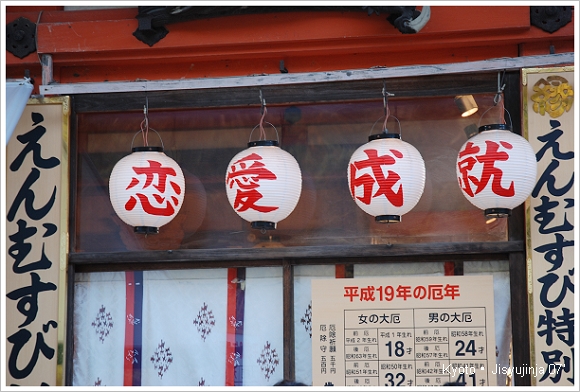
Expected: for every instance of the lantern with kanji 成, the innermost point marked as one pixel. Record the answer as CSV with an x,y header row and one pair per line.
x,y
496,170
146,189
263,184
386,177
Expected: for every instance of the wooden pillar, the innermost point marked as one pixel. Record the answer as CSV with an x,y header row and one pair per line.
x,y
517,260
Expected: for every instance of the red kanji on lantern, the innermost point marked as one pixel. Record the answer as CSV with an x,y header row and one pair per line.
x,y
386,177
496,170
385,184
489,171
154,170
263,184
146,189
246,174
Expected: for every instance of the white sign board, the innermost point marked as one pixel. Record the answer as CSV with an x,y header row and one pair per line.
x,y
403,331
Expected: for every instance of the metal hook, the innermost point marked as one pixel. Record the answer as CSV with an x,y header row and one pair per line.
x,y
497,99
500,88
263,111
262,103
386,96
385,99
146,122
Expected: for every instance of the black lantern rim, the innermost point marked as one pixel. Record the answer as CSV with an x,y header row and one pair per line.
x,y
146,230
261,143
384,135
146,149
388,218
498,212
491,127
263,225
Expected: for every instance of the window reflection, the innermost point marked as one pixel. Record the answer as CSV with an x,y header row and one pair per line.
x,y
322,138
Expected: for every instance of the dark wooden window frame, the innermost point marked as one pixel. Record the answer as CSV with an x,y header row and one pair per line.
x,y
512,250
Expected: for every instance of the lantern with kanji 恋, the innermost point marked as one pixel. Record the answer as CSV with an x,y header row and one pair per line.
x,y
263,184
146,189
496,170
386,177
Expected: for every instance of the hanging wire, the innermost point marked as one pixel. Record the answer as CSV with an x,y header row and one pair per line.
x,y
387,112
145,127
497,99
500,87
498,96
263,111
145,132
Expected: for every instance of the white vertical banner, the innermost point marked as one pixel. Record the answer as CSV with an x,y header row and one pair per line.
x,y
263,355
98,329
184,325
303,275
549,127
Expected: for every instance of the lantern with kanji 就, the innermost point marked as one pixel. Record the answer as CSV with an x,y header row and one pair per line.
x,y
146,189
386,177
263,184
496,170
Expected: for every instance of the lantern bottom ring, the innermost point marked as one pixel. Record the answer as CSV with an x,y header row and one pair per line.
x,y
388,218
498,212
146,230
263,225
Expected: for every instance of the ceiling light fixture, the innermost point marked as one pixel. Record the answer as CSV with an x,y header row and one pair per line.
x,y
466,104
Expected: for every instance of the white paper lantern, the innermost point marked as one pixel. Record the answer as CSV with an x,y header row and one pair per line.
x,y
386,177
146,189
263,184
496,170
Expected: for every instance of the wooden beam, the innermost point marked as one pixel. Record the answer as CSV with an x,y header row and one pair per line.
x,y
310,77
520,314
239,34
69,326
277,255
424,86
47,69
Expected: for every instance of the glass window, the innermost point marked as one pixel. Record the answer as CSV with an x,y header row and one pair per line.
x,y
322,137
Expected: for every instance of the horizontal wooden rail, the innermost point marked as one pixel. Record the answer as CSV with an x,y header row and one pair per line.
x,y
205,258
309,77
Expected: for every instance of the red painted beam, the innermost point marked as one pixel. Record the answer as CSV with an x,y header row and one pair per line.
x,y
286,32
99,45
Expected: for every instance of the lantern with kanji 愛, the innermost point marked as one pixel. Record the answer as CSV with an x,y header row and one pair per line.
x,y
386,177
263,184
146,189
496,170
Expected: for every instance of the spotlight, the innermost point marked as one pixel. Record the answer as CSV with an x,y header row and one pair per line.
x,y
466,104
